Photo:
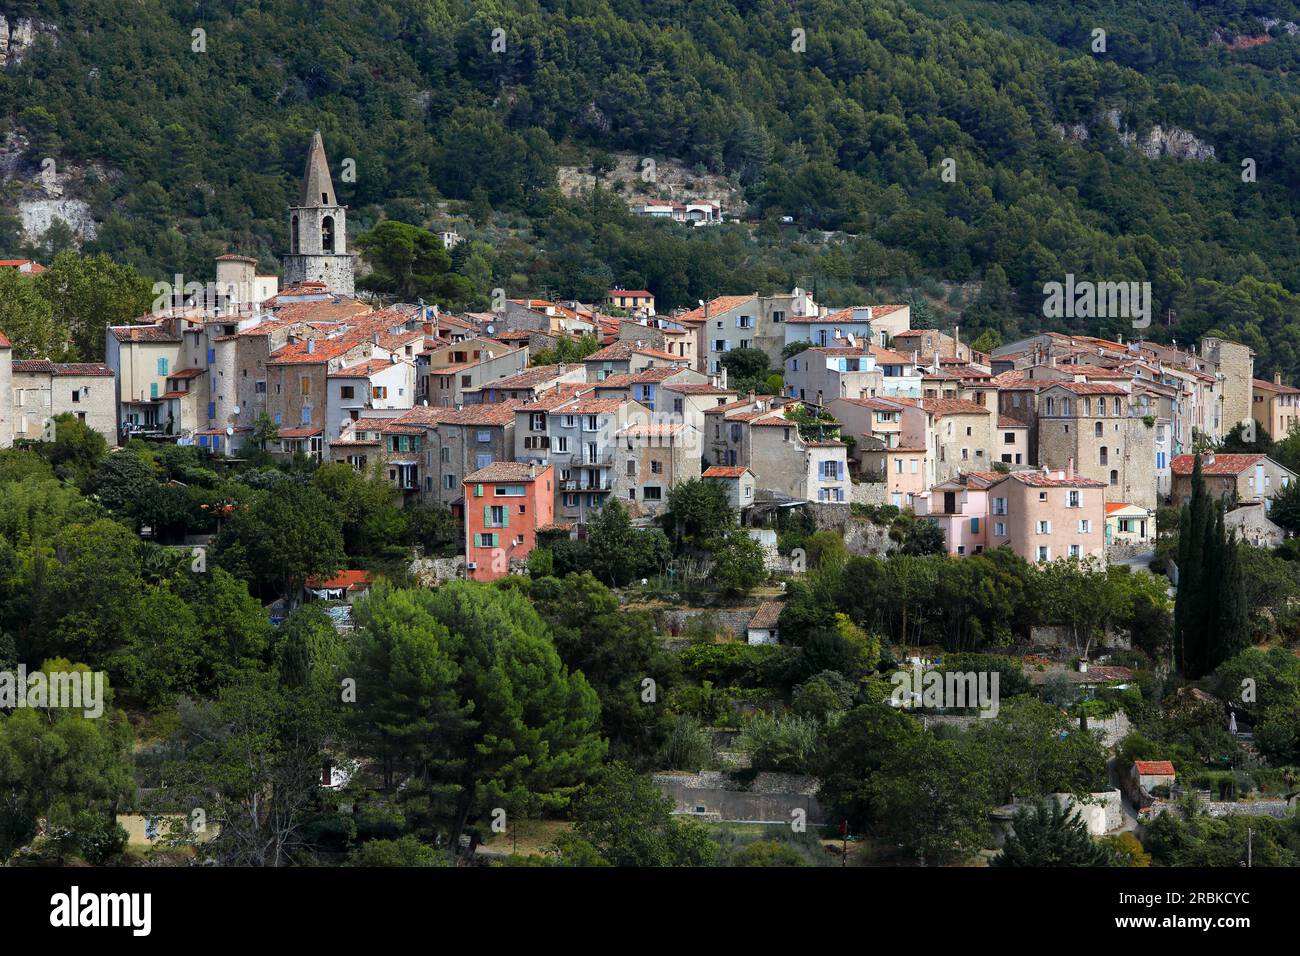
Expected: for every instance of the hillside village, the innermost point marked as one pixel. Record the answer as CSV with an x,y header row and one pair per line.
x,y
790,503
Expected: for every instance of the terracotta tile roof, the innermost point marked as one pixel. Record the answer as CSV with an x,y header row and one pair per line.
x,y
585,405
386,425
879,404
46,367
297,353
889,356
352,580
1006,421
530,377
1113,506
728,407
424,415
766,616
651,431
143,333
846,315
503,471
1088,388
698,388
33,266
624,349
642,293
1264,386
940,407
365,369
559,395
304,432
724,471
494,413
1036,479
716,306
1154,768
1215,464
4,341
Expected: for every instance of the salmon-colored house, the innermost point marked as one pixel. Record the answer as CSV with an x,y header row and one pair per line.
x,y
505,504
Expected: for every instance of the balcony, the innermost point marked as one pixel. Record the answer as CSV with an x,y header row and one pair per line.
x,y
603,485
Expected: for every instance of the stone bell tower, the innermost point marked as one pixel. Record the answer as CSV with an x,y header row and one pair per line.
x,y
318,233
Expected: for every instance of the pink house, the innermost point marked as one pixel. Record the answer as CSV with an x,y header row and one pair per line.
x,y
960,506
1040,514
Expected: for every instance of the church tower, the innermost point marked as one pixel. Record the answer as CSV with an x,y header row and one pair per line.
x,y
318,233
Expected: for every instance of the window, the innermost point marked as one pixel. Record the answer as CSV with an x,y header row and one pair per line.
x,y
1072,499
509,491
76,396
1042,496
487,540
1114,477
562,444
1009,438
656,467
1085,526
482,461
162,366
999,506
449,481
590,423
537,422
1116,405
1096,430
654,493
999,529
1076,551
975,525
1044,553
497,516
484,436
1044,527
259,388
347,391
1105,455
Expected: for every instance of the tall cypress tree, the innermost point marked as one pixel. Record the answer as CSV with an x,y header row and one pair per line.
x,y
1189,605
1233,633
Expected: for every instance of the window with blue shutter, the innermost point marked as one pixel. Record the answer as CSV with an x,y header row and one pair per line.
x,y
212,356
975,525
212,410
153,389
162,366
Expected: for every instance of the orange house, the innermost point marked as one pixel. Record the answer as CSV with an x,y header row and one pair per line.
x,y
505,504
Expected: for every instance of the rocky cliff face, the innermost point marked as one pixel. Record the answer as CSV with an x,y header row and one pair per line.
x,y
1156,142
18,35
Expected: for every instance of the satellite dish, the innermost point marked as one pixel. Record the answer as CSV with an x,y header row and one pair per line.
x,y
229,430
236,409
393,359
490,328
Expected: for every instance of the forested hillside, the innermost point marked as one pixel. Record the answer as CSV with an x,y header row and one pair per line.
x,y
182,155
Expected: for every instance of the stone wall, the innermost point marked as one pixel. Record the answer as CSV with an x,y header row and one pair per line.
x,y
768,798
868,493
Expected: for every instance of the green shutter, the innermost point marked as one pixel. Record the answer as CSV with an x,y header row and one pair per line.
x,y
487,516
505,521
496,540
478,491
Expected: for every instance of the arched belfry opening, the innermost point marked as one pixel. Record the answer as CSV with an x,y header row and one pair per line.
x,y
293,238
327,234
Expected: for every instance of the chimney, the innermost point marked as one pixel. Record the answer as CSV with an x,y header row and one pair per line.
x,y
311,346
1277,378
1069,468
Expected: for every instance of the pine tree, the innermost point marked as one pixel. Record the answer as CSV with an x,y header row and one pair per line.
x,y
1046,834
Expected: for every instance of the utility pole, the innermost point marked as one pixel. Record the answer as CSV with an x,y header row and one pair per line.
x,y
1250,846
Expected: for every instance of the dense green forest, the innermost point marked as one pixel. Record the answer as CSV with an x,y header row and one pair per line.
x,y
182,154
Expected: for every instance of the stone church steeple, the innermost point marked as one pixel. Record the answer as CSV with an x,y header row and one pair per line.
x,y
318,233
